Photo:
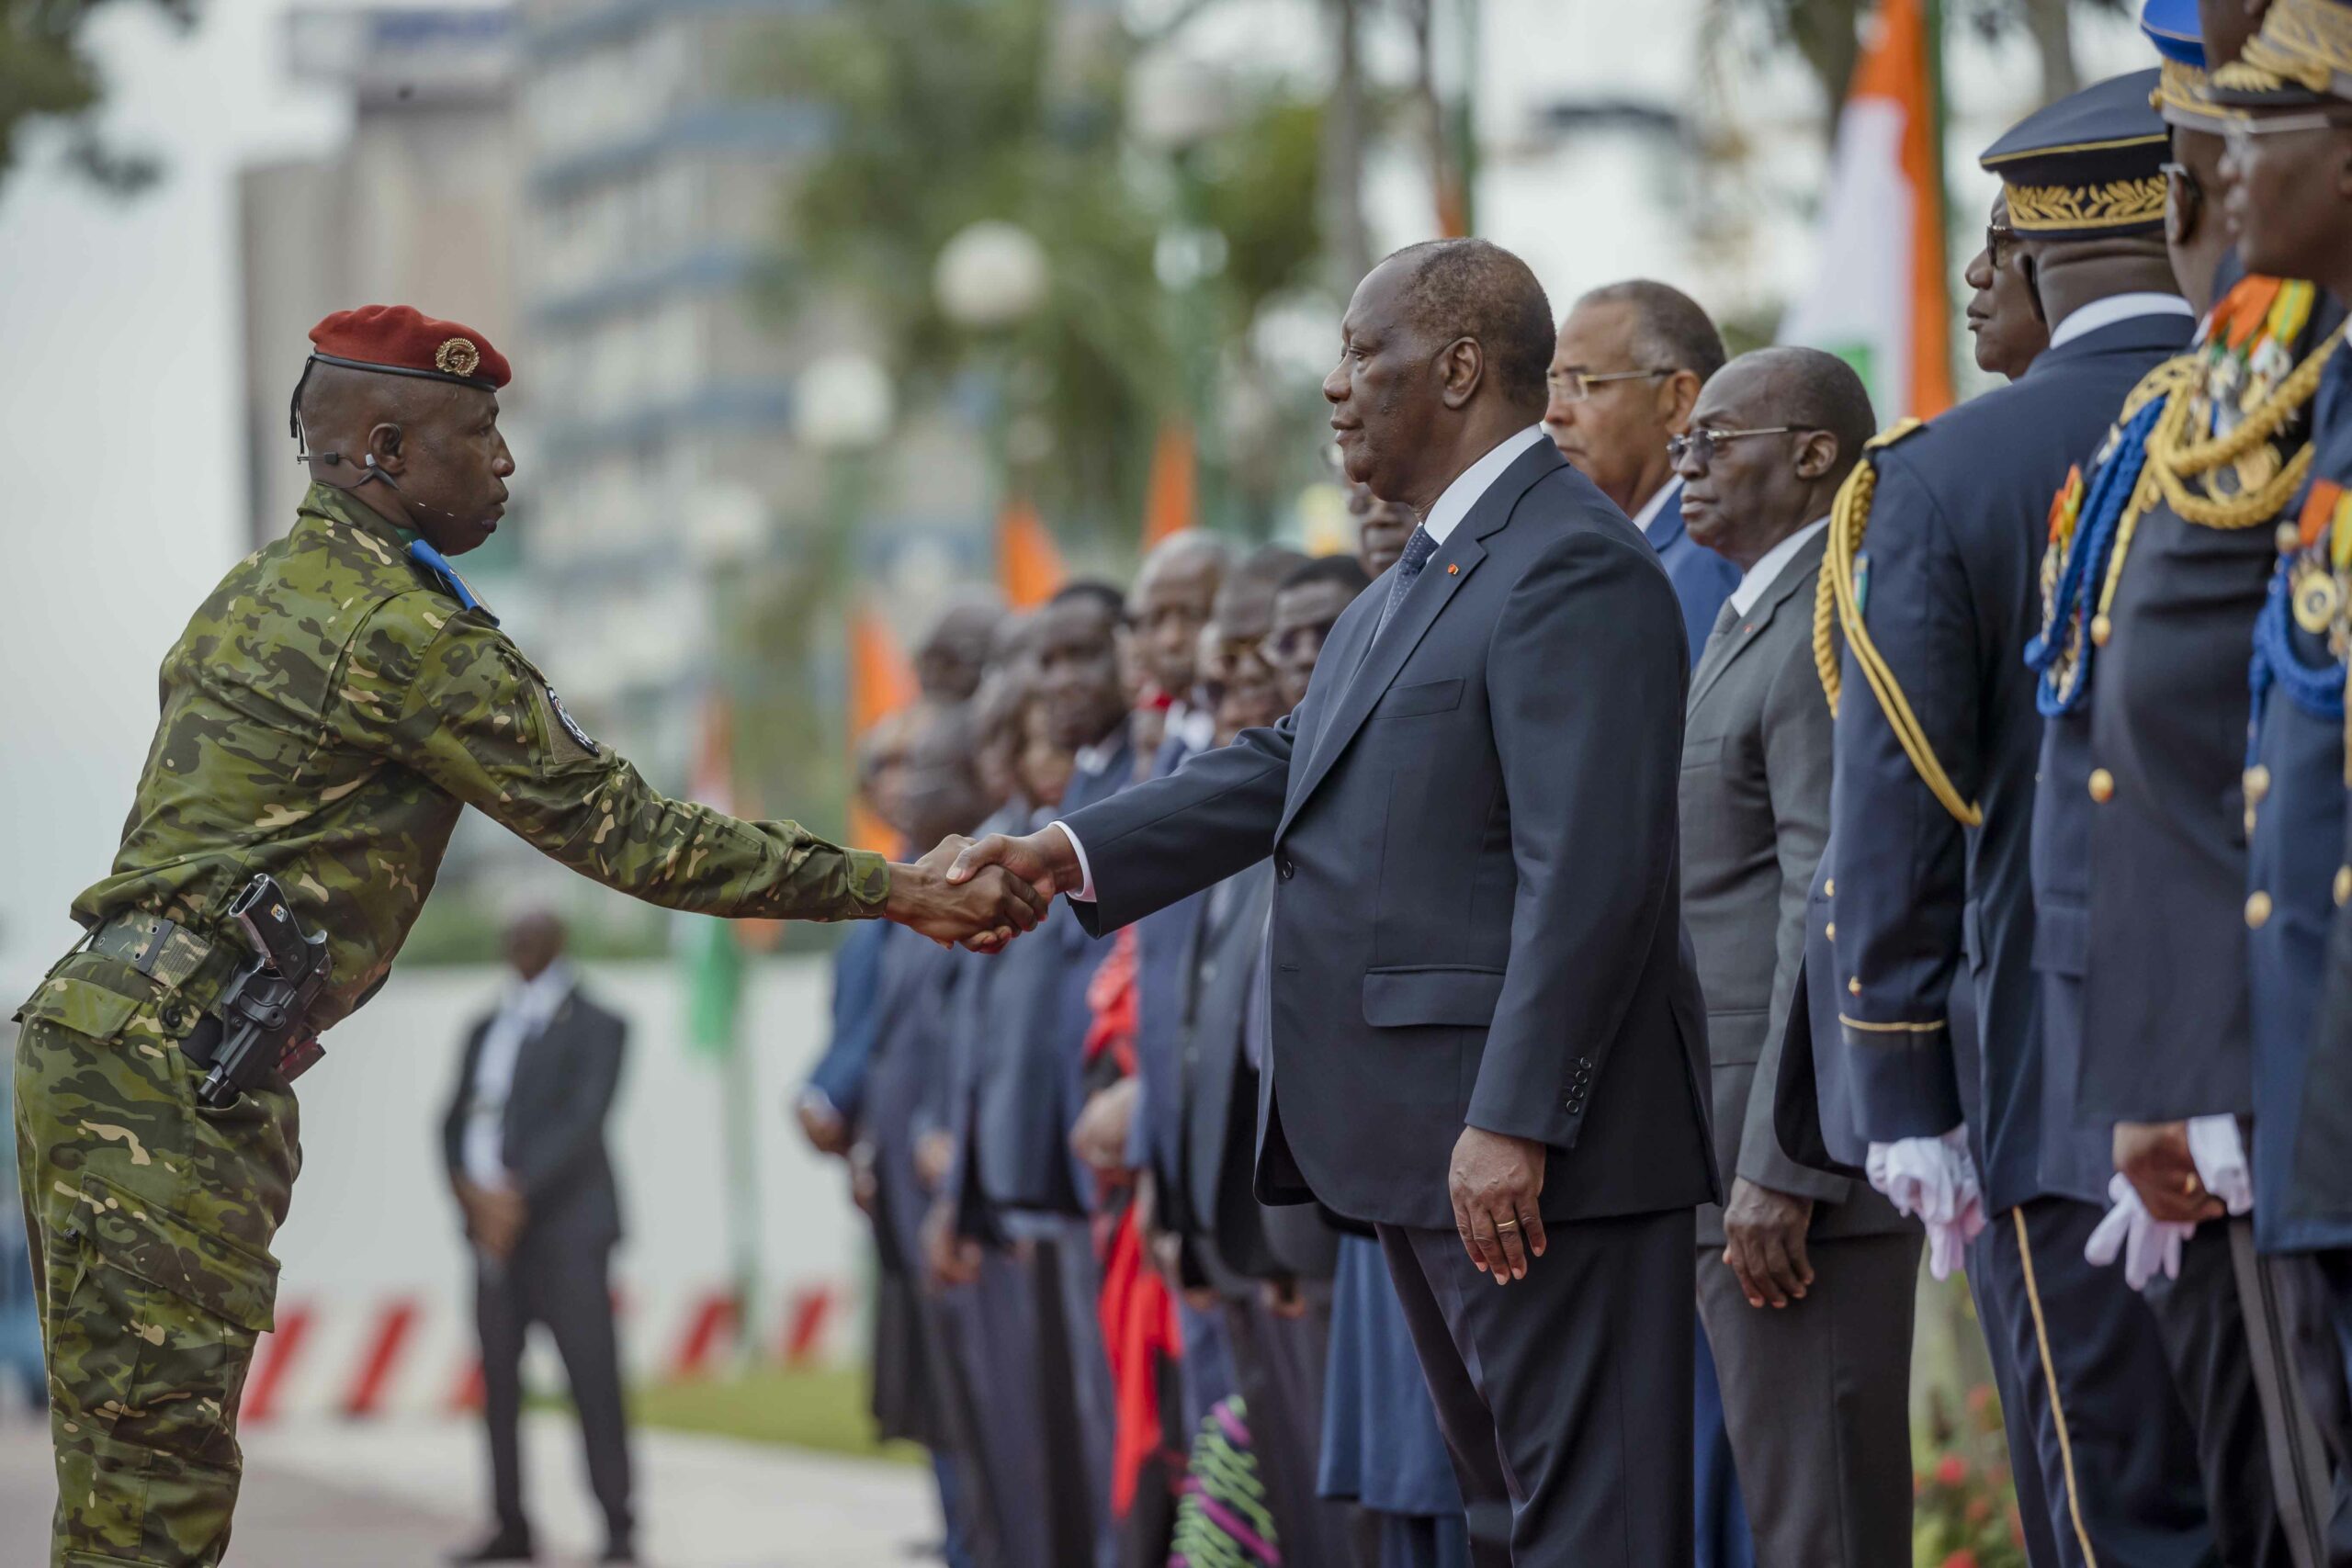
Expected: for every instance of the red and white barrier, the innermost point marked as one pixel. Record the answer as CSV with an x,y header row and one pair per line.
x,y
405,1354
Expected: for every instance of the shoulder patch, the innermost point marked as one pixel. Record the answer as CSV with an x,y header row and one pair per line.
x,y
563,716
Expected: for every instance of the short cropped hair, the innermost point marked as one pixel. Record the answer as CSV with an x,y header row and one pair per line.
x,y
1475,288
1113,601
1814,390
1345,571
1670,333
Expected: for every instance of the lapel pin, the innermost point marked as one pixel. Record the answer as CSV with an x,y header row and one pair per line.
x,y
1451,569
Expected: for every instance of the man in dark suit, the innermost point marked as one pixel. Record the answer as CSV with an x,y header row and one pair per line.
x,y
1627,370
524,1142
1487,1035
1807,1279
1938,737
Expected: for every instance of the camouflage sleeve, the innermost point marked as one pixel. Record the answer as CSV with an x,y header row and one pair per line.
x,y
452,698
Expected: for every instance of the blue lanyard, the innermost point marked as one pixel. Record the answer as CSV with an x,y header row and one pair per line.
x,y
2087,557
436,563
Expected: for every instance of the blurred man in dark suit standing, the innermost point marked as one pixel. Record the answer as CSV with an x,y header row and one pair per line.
x,y
1806,1281
524,1142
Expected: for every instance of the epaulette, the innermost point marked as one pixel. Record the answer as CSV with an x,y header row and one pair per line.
x,y
1838,605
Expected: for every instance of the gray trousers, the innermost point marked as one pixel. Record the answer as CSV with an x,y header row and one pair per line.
x,y
1816,1397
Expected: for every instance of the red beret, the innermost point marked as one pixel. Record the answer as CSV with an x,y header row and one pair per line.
x,y
400,339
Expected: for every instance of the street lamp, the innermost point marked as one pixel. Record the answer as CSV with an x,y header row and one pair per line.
x,y
992,273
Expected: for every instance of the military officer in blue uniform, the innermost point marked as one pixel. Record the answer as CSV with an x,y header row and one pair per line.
x,y
1931,575
2129,635
2293,201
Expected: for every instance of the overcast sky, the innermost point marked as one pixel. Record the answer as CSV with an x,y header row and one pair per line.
x,y
121,482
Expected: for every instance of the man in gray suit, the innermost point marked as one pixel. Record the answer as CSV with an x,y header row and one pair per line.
x,y
1806,1280
1487,1034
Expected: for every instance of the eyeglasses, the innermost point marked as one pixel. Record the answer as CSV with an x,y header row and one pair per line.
x,y
1698,448
1576,386
1996,236
2241,129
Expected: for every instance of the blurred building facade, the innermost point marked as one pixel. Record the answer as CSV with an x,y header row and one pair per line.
x,y
416,206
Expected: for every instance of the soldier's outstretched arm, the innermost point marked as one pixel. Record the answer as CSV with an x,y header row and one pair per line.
x,y
448,696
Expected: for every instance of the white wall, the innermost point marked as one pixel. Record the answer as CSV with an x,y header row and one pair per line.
x,y
373,1224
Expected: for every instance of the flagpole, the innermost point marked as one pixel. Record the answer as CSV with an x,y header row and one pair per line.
x,y
1934,18
740,1136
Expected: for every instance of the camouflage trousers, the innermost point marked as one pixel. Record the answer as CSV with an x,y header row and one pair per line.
x,y
150,1221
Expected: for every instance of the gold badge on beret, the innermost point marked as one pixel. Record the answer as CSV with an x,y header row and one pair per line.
x,y
458,357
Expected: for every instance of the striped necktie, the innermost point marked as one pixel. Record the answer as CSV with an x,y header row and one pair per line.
x,y
1418,550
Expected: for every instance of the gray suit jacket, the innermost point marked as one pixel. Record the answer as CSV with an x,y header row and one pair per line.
x,y
1757,760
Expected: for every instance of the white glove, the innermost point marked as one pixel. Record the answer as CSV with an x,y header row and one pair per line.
x,y
1935,1179
2145,1242
2220,1154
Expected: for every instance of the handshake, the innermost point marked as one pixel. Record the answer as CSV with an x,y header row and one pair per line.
x,y
983,894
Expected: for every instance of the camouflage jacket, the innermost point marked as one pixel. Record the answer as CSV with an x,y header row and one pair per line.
x,y
330,710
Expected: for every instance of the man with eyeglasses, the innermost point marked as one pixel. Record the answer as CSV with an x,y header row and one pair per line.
x,y
1932,565
2288,176
1807,1279
1626,369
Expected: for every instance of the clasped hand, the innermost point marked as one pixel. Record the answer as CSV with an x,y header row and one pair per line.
x,y
983,895
982,905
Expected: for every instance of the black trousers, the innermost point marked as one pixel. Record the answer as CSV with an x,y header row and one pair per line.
x,y
565,1288
1279,1363
1565,1397
2088,1395
2225,1326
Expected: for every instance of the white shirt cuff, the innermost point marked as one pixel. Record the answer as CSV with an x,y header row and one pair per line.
x,y
2221,1165
1085,894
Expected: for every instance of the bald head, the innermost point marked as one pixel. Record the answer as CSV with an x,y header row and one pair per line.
x,y
1442,353
1172,597
534,941
1475,289
1774,433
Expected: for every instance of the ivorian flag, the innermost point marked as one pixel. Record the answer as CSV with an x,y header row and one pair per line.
x,y
1880,295
1028,568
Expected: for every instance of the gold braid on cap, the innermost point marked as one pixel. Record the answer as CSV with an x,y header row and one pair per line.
x,y
2115,204
1837,605
2308,42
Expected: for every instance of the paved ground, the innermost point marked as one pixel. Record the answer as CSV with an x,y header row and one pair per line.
x,y
401,1493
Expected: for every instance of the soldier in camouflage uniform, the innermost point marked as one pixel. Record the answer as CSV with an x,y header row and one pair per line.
x,y
336,702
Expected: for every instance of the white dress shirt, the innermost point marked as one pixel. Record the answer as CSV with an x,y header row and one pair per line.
x,y
1469,487
2116,307
1757,578
522,1013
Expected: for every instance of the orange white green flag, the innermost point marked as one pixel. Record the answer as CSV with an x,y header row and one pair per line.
x,y
1878,295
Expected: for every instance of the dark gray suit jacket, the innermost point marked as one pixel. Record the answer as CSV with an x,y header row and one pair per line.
x,y
1757,759
1476,911
565,1078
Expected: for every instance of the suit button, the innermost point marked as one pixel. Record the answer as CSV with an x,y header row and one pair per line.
x,y
2101,629
1829,888
2343,884
1830,930
1854,987
1283,868
2257,784
2102,786
2257,910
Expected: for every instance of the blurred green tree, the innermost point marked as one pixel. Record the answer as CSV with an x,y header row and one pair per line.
x,y
947,113
47,73
1825,34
